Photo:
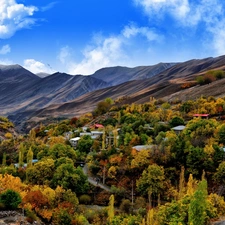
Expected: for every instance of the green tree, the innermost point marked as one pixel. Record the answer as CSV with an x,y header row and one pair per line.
x,y
198,205
176,121
102,107
221,134
109,101
151,181
69,177
62,217
219,176
85,144
41,172
11,199
21,154
4,159
29,157
61,150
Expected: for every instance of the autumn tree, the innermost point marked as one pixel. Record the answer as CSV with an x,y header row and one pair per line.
x,y
151,181
36,199
111,209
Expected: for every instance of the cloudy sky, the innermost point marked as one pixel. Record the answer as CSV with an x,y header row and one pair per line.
x,y
82,36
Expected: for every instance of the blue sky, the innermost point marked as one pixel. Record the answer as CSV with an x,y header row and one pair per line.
x,y
82,36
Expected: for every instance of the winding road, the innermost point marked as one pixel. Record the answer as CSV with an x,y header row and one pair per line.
x,y
92,180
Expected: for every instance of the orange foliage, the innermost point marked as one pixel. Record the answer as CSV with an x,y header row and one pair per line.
x,y
133,152
36,199
67,206
45,214
103,162
187,85
115,159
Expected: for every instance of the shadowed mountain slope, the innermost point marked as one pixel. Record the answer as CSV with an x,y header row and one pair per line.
x,y
166,84
117,75
63,95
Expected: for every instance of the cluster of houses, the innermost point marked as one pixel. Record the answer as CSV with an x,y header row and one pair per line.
x,y
94,134
98,133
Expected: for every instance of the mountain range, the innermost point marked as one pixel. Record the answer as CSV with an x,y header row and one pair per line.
x,y
27,96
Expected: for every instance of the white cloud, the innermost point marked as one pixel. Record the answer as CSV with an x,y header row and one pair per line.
x,y
206,14
132,31
5,49
218,41
179,8
14,16
64,54
49,6
107,51
36,66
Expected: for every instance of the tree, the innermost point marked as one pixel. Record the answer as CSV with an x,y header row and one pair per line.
x,y
29,158
102,107
198,204
111,209
181,184
198,131
219,176
221,134
4,159
61,150
36,198
85,144
69,177
42,172
11,199
109,101
141,159
176,121
65,176
62,217
151,181
21,154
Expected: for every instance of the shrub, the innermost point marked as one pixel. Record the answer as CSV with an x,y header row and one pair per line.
x,y
219,74
85,199
11,199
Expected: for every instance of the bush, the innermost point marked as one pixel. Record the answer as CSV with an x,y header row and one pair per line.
x,y
85,199
10,199
219,74
126,206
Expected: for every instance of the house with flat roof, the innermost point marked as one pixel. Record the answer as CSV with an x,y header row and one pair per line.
x,y
178,129
74,141
142,147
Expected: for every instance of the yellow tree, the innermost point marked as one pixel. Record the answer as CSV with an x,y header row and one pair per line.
x,y
111,208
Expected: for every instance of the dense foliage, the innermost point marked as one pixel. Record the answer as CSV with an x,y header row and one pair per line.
x,y
157,173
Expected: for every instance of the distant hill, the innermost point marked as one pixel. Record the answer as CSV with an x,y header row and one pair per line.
x,y
117,75
25,96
